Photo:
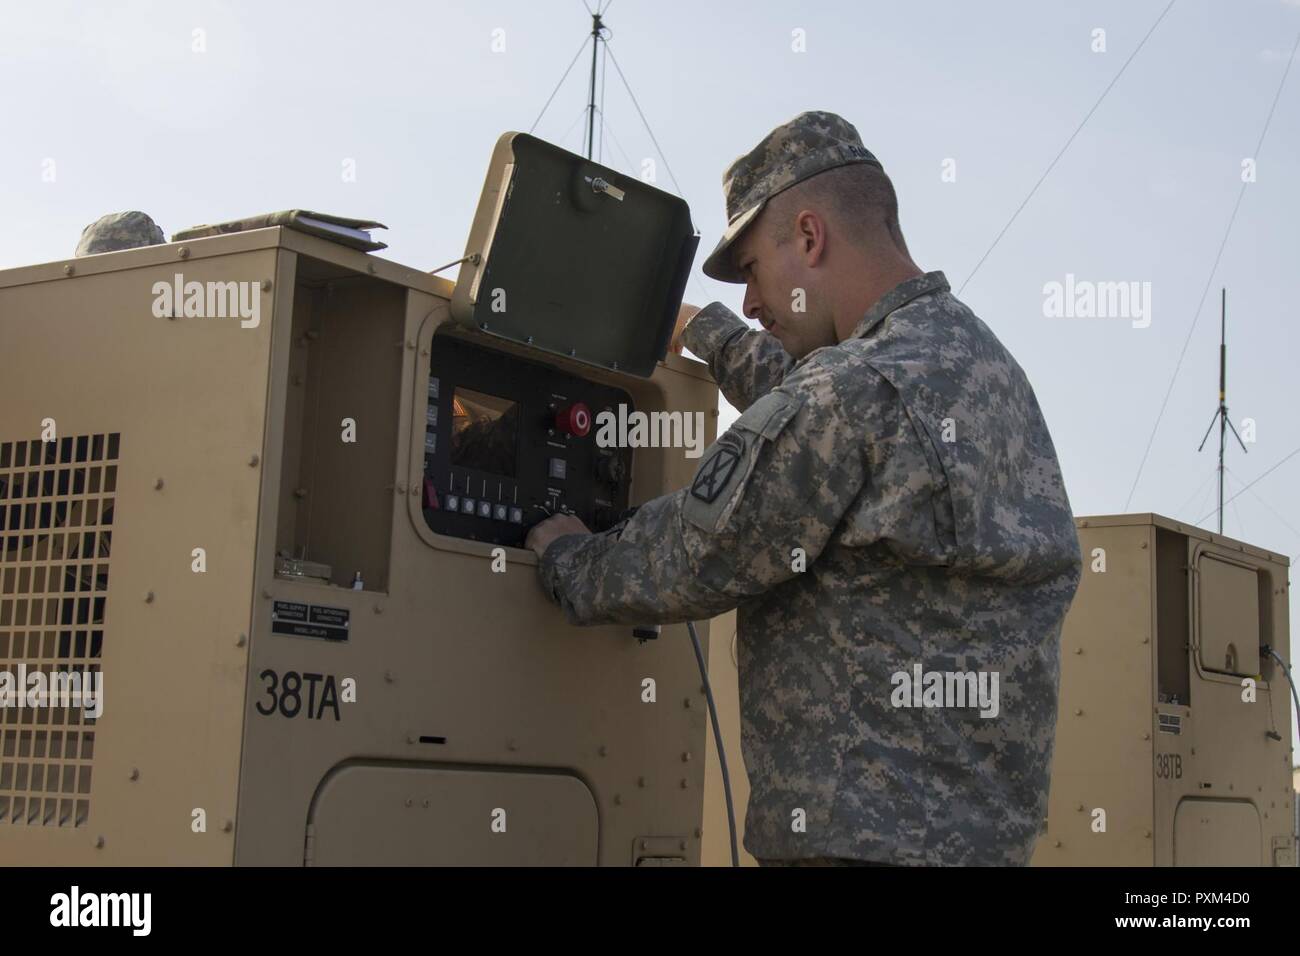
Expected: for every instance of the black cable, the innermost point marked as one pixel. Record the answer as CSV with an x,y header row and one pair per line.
x,y
558,85
1196,316
1076,132
1286,672
644,121
1255,482
717,739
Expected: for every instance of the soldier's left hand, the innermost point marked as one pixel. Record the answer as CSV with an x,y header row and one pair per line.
x,y
556,526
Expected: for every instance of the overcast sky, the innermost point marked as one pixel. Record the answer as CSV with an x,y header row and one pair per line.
x,y
125,106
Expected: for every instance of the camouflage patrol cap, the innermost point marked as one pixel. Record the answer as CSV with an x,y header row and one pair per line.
x,y
119,230
809,144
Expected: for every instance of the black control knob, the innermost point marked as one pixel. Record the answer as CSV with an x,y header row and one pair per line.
x,y
610,469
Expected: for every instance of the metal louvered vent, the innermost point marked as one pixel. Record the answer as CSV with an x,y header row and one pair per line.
x,y
56,517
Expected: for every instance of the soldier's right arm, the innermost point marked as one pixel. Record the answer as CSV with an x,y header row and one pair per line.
x,y
746,363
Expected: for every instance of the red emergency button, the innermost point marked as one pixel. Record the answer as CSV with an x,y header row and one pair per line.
x,y
574,419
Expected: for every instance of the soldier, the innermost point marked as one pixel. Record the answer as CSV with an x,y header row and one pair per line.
x,y
888,506
119,230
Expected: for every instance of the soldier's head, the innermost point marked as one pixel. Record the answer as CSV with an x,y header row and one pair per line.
x,y
810,211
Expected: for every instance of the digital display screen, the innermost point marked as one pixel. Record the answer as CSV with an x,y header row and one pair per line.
x,y
484,430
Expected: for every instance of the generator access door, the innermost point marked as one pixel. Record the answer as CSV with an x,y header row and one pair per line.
x,y
574,258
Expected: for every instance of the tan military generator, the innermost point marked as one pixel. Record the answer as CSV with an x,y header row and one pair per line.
x,y
275,493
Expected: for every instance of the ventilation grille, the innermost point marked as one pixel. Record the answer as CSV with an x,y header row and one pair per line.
x,y
56,517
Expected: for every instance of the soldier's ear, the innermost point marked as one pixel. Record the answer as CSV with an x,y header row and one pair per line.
x,y
810,231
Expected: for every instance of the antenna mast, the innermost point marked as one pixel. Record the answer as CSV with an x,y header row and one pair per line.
x,y
596,37
1221,413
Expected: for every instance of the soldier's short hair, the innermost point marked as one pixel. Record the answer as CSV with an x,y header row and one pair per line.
x,y
860,197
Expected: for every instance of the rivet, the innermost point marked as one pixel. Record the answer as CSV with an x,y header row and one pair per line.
x,y
69,269
134,774
618,800
1078,650
1078,711
409,801
183,252
1146,834
300,492
227,826
640,781
681,845
252,461
1057,844
401,488
684,783
687,703
157,485
266,594
1079,808
602,750
512,744
388,677
686,757
148,597
241,640
698,833
410,738
99,843
1146,736
379,609
266,285
424,351
425,803
410,344
313,334
370,267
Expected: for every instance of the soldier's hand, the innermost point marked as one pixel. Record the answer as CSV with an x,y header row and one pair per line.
x,y
684,315
556,526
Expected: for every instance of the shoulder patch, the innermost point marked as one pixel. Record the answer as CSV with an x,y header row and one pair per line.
x,y
721,480
716,472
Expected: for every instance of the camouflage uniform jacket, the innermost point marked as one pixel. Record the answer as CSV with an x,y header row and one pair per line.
x,y
912,469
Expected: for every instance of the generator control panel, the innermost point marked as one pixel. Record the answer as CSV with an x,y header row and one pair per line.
x,y
508,442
